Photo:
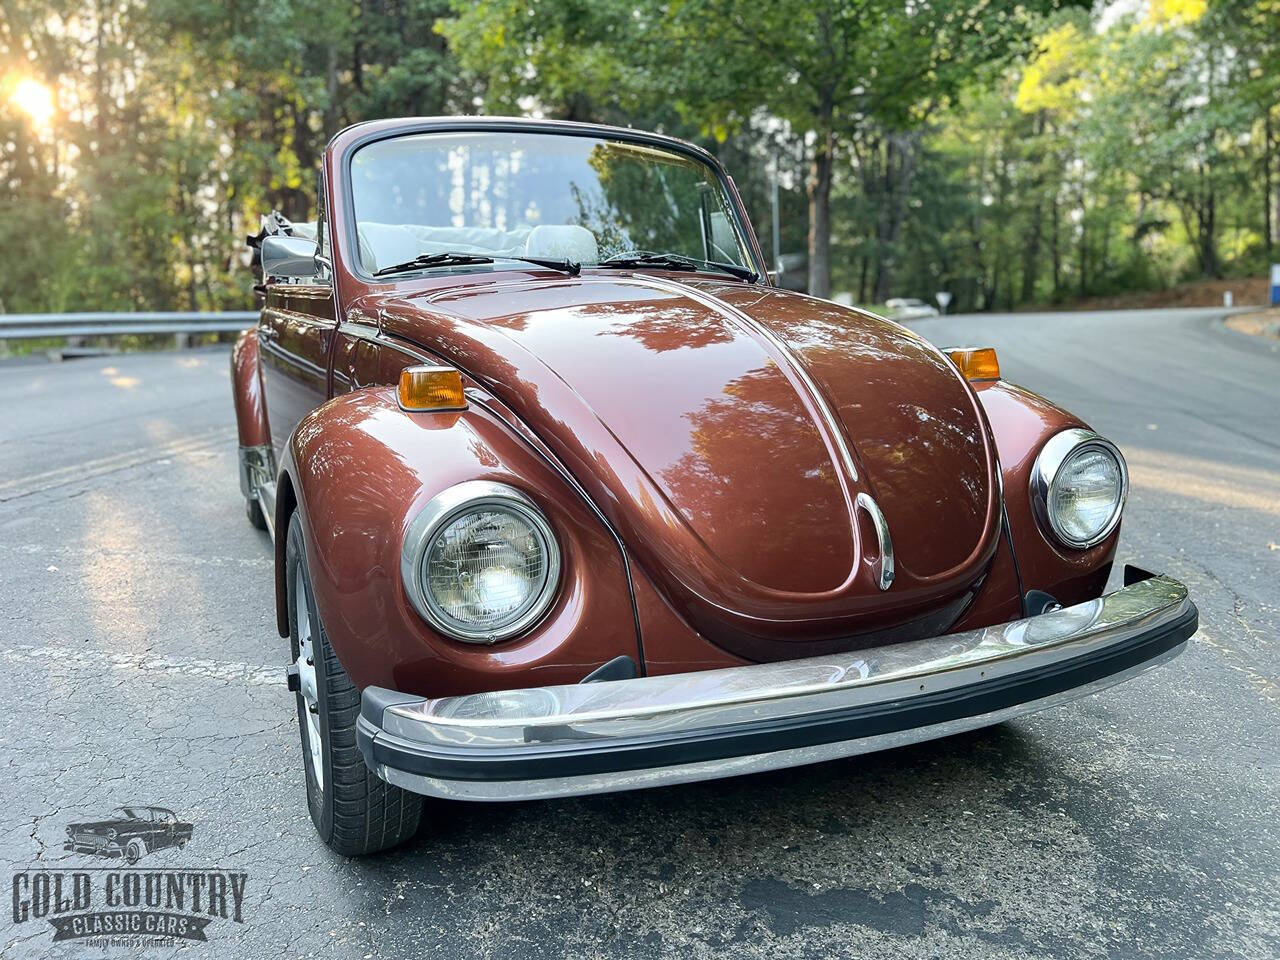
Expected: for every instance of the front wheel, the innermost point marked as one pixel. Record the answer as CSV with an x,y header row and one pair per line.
x,y
355,812
135,850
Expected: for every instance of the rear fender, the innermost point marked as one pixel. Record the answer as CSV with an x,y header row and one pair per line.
x,y
361,469
246,389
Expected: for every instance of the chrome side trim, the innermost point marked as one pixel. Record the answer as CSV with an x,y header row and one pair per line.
x,y
1050,459
683,703
308,366
572,786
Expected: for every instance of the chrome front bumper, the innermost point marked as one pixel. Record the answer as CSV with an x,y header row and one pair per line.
x,y
626,734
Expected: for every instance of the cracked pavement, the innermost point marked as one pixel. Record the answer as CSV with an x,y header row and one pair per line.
x,y
140,664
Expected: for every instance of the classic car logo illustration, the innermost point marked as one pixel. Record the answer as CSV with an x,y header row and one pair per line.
x,y
126,905
131,832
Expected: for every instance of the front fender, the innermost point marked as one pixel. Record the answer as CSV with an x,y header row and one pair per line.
x,y
361,468
1021,422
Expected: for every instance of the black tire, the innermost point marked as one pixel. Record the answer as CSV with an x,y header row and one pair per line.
x,y
253,510
135,850
356,813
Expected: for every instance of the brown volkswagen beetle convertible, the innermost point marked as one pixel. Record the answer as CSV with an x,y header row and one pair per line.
x,y
568,498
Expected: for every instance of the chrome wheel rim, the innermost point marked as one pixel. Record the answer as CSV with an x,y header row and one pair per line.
x,y
307,686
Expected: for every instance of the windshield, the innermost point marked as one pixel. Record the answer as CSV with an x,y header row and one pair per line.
x,y
547,195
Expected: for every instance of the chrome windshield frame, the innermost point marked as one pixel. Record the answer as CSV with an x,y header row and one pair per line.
x,y
741,223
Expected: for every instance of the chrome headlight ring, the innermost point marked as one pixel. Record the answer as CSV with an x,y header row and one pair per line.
x,y
440,512
1058,450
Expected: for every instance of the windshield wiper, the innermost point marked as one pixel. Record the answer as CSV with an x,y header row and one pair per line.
x,y
673,261
453,259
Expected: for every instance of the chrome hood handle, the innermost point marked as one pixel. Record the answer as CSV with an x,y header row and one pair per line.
x,y
884,562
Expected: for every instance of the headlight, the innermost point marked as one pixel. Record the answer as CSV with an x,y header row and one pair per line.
x,y
1078,487
480,562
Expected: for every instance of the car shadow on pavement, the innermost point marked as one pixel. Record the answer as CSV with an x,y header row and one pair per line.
x,y
879,840
843,795
998,837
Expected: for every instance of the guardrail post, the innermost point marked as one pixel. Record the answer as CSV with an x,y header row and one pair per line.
x,y
181,340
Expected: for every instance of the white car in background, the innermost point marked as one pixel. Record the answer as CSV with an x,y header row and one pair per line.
x,y
909,309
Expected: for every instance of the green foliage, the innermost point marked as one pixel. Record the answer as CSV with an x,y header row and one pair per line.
x,y
180,123
1128,158
1007,151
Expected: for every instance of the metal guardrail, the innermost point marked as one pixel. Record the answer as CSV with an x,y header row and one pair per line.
x,y
28,326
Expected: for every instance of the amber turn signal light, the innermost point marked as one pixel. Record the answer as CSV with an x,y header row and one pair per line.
x,y
976,363
431,388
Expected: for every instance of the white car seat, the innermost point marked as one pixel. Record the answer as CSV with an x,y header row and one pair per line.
x,y
562,242
382,244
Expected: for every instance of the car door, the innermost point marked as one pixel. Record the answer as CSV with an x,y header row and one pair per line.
x,y
146,827
295,337
164,828
295,334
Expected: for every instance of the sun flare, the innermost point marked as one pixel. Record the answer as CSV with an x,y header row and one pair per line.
x,y
34,99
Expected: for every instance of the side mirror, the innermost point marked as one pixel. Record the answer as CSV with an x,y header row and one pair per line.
x,y
290,257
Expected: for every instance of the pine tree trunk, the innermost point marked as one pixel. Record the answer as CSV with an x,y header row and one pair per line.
x,y
331,88
1031,258
1268,190
1056,249
903,152
820,217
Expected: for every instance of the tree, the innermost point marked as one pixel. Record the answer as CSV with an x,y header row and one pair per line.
x,y
1005,152
826,70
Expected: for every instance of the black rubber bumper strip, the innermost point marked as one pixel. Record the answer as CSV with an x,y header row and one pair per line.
x,y
541,760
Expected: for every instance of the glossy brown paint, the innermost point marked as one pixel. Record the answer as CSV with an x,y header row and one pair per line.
x,y
671,645
726,442
1022,421
999,599
362,469
295,336
721,429
252,426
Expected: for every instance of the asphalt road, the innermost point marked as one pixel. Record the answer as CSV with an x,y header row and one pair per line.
x,y
140,663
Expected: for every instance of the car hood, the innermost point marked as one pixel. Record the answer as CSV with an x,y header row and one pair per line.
x,y
726,431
